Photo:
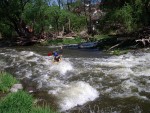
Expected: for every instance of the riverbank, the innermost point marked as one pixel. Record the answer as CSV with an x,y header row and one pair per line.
x,y
17,101
132,40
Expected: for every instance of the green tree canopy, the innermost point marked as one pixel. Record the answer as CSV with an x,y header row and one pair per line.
x,y
34,17
130,13
11,12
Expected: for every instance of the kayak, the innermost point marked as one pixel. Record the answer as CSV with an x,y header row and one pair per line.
x,y
56,62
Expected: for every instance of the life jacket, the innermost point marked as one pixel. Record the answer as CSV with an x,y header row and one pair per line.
x,y
55,53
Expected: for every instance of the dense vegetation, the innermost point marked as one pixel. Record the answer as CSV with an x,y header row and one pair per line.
x,y
29,17
130,14
37,19
6,81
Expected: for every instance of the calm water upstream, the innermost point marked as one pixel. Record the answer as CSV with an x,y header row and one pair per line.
x,y
85,81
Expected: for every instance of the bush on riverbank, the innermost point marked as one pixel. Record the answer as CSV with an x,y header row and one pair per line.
x,y
19,102
6,81
76,40
119,52
38,109
64,41
100,37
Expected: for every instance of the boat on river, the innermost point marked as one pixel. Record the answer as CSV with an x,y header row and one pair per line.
x,y
84,45
88,45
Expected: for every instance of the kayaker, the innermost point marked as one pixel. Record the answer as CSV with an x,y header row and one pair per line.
x,y
57,54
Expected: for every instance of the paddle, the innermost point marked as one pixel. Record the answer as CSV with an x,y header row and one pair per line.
x,y
50,54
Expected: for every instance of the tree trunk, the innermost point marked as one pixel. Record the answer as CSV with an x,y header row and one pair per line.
x,y
68,5
20,28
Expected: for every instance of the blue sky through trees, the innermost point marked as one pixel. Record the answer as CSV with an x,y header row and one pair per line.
x,y
55,2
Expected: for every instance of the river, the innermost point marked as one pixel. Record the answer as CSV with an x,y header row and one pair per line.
x,y
85,81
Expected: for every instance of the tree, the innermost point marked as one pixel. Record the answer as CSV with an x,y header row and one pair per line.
x,y
37,15
30,18
11,14
59,19
131,13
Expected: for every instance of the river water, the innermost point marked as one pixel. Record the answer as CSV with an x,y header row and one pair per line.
x,y
85,81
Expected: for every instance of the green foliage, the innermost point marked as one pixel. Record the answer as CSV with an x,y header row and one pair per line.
x,y
10,13
138,11
116,52
6,81
54,42
99,37
42,110
19,102
72,41
125,16
62,17
77,22
121,15
119,52
131,14
77,3
5,30
37,15
54,13
11,9
76,40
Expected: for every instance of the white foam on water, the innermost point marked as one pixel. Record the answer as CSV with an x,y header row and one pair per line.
x,y
127,84
56,85
2,63
27,53
122,73
33,59
122,61
124,95
130,88
113,64
28,73
75,93
144,72
127,75
29,56
108,90
128,94
129,71
62,67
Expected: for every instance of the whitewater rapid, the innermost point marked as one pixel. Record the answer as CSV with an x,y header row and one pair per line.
x,y
76,81
50,75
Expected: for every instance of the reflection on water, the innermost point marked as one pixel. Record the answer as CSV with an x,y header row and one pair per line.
x,y
85,81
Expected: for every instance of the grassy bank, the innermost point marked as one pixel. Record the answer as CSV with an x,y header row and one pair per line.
x,y
64,41
19,102
6,81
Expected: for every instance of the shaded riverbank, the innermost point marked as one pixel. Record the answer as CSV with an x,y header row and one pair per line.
x,y
133,40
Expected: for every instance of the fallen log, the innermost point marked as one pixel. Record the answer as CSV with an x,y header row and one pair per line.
x,y
144,41
114,46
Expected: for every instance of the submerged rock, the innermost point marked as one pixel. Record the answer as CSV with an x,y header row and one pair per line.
x,y
16,87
